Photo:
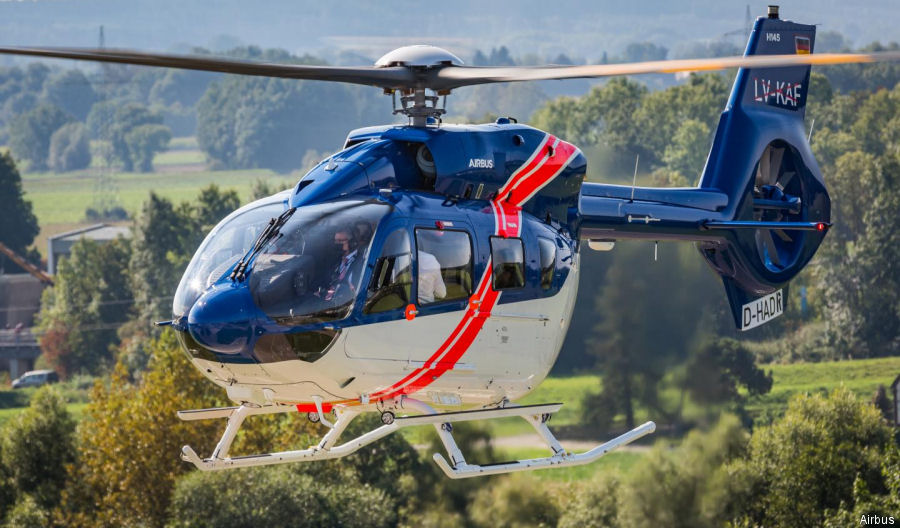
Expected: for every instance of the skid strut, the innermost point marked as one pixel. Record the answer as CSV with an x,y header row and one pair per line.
x,y
455,468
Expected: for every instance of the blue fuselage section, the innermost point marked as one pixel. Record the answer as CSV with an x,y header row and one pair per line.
x,y
383,168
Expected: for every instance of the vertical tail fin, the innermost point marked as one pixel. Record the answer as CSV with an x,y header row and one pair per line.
x,y
761,159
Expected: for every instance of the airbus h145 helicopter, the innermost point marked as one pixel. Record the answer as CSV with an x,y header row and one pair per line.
x,y
428,272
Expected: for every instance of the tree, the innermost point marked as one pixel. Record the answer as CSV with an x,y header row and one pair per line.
x,y
29,134
826,451
181,87
89,300
641,332
245,122
17,104
101,117
18,225
130,438
213,204
70,148
165,238
37,445
158,231
687,152
144,142
27,513
593,504
35,76
856,271
72,92
128,117
719,368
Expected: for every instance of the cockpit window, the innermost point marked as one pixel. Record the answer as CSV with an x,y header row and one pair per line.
x,y
222,248
312,271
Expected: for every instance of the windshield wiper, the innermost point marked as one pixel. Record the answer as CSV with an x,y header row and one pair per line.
x,y
272,230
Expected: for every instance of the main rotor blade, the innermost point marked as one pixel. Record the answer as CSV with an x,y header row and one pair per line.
x,y
390,77
440,77
456,76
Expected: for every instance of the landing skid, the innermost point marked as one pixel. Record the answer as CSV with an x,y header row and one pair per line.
x,y
456,467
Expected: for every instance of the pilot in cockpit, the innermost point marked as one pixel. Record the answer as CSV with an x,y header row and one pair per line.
x,y
345,274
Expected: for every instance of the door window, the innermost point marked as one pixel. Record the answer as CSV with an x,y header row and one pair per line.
x,y
392,277
444,265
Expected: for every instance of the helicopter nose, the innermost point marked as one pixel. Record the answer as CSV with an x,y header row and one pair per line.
x,y
220,319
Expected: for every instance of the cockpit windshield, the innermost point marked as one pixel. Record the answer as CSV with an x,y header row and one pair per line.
x,y
222,248
312,270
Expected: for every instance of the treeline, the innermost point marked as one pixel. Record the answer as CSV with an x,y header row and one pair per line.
x,y
49,117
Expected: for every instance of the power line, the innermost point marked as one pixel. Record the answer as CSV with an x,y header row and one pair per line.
x,y
100,303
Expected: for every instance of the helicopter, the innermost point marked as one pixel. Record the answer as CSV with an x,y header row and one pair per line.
x,y
428,272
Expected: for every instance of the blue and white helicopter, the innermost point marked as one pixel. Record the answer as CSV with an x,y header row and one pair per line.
x,y
428,272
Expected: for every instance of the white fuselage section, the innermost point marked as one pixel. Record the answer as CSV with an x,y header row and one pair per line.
x,y
509,356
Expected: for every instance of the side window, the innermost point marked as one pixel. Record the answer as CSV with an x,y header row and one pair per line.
x,y
548,262
508,258
392,277
444,265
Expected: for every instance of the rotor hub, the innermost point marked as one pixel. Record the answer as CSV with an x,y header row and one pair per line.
x,y
415,103
418,56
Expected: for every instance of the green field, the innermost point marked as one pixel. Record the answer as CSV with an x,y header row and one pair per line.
x,y
862,376
60,200
63,198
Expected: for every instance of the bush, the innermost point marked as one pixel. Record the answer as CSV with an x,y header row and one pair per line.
x,y
37,445
512,502
684,487
827,453
70,148
276,497
593,504
27,513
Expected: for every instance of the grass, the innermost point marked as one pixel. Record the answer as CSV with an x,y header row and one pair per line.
x,y
179,157
62,198
862,376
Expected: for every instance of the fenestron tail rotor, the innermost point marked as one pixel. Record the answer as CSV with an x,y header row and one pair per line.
x,y
777,196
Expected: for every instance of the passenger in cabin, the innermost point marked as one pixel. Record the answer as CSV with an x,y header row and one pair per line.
x,y
345,275
431,284
363,232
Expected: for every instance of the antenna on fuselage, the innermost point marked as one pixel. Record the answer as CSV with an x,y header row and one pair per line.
x,y
634,180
